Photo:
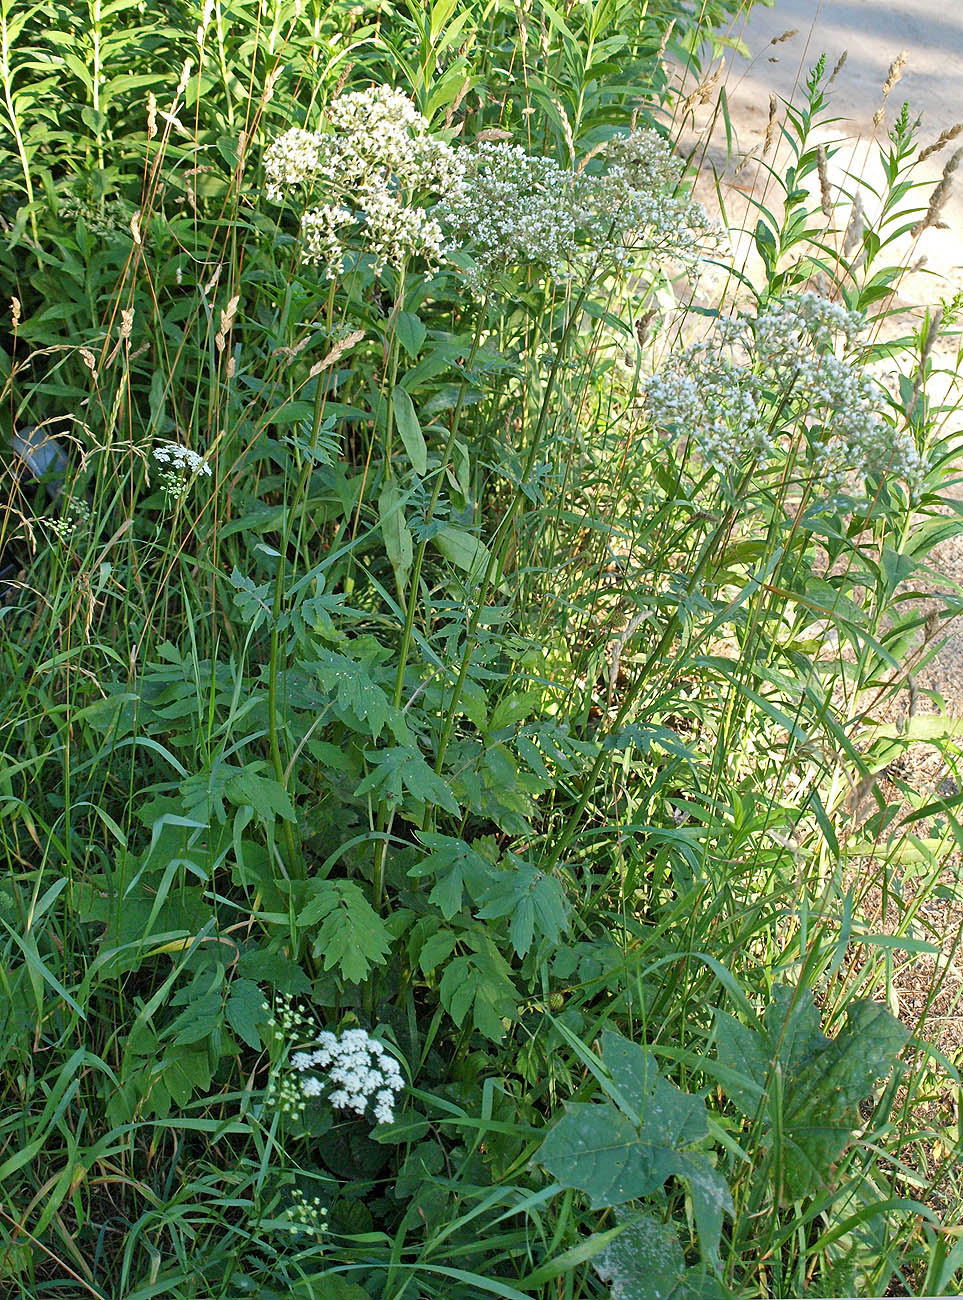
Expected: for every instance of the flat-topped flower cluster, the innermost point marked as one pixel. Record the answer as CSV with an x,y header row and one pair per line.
x,y
374,162
363,1071
178,467
757,378
402,194
353,1070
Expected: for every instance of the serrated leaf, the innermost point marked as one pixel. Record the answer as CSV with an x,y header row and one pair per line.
x,y
275,969
410,430
184,1070
595,1148
401,770
437,948
351,934
457,866
480,982
821,1105
711,1199
246,1009
198,1020
822,1080
264,794
644,1262
744,1052
358,698
532,899
616,1157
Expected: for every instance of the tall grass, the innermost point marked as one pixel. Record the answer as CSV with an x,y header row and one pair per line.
x,y
463,695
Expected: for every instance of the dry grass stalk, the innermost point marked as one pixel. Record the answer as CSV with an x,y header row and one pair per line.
x,y
336,353
664,42
853,235
227,321
840,64
931,337
342,80
895,72
701,93
822,170
938,198
455,104
771,125
942,139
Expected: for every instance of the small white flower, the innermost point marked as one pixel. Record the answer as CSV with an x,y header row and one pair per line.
x,y
179,466
292,159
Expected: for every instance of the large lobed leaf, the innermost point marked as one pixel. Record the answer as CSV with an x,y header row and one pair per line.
x,y
822,1080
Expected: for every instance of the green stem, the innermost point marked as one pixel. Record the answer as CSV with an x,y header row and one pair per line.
x,y
568,832
430,514
278,608
499,551
391,369
7,75
384,816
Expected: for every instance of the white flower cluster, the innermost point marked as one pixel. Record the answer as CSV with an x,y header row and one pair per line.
x,y
179,466
395,231
292,159
759,378
73,520
512,208
324,232
307,1216
360,1069
370,164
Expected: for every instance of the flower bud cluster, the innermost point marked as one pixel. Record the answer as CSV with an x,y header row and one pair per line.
x,y
760,378
306,1217
73,519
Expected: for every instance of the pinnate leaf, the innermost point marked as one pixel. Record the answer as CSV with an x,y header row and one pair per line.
x,y
351,934
480,982
246,1009
402,769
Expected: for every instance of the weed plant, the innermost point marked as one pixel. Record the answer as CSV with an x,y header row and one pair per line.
x,y
448,615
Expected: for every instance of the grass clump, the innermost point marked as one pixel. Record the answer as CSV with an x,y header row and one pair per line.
x,y
447,640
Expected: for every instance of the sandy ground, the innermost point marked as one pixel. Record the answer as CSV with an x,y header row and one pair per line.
x,y
872,34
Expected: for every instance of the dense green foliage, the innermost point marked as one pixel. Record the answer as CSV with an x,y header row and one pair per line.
x,y
447,693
